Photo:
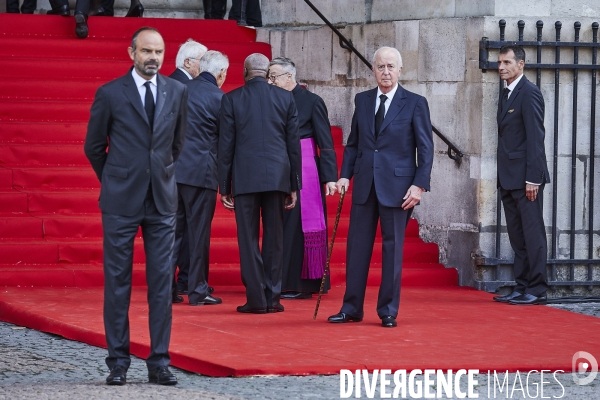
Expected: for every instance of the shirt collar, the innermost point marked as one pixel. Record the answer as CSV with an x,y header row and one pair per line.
x,y
139,81
514,84
390,94
186,73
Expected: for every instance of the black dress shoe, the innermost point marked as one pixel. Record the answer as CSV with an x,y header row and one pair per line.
x,y
81,27
117,376
341,318
296,295
177,299
247,309
508,297
388,321
528,299
275,308
182,291
208,300
162,376
101,12
62,10
136,9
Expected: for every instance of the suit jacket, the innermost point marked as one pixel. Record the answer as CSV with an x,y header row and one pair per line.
x,y
390,159
313,122
197,165
521,155
179,76
126,154
259,145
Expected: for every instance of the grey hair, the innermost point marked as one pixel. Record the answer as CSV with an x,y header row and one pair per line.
x,y
257,62
213,62
190,49
388,48
286,64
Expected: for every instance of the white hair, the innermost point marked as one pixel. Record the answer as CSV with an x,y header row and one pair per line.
x,y
190,49
388,48
286,64
214,62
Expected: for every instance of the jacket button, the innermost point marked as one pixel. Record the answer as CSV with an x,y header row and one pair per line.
x,y
376,151
151,151
147,171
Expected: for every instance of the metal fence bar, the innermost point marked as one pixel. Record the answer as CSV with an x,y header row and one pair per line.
x,y
577,27
591,205
557,26
538,78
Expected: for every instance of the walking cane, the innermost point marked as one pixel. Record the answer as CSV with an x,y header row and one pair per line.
x,y
330,250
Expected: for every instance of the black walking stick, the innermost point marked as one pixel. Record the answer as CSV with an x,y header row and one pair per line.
x,y
330,250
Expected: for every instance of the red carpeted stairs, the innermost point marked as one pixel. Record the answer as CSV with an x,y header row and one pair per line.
x,y
50,228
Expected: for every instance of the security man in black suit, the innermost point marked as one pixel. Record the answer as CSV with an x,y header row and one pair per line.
x,y
259,164
135,134
522,173
196,170
187,68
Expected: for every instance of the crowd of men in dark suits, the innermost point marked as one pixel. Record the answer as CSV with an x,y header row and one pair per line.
x,y
162,147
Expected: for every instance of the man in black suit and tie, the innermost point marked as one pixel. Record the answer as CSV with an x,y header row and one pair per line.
x,y
135,134
187,68
196,170
259,164
522,173
389,126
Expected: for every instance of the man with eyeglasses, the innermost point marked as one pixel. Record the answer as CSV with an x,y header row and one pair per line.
x,y
187,61
188,68
304,226
390,154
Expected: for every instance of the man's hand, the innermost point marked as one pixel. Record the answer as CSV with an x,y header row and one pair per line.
x,y
330,189
412,197
342,183
227,201
290,201
531,191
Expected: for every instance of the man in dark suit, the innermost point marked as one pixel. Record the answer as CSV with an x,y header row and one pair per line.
x,y
246,12
305,226
187,68
389,125
259,164
135,134
196,170
522,173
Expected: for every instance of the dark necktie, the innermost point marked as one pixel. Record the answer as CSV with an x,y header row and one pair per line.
x,y
505,98
380,114
149,104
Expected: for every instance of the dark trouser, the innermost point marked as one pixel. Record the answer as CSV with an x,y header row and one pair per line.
x,y
58,3
527,235
214,9
181,250
28,6
83,6
361,238
261,271
199,211
247,11
158,232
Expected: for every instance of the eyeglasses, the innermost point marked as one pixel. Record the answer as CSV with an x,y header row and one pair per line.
x,y
272,78
390,67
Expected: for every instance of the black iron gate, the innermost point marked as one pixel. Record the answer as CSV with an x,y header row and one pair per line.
x,y
581,72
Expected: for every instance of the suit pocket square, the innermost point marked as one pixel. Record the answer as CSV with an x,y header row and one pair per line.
x,y
511,110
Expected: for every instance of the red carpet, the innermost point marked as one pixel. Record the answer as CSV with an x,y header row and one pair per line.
x,y
438,328
51,247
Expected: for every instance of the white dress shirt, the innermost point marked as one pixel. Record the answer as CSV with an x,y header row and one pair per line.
x,y
139,82
390,96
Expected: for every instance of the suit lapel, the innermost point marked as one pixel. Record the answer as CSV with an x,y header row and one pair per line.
x,y
371,111
398,103
512,98
161,96
133,94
